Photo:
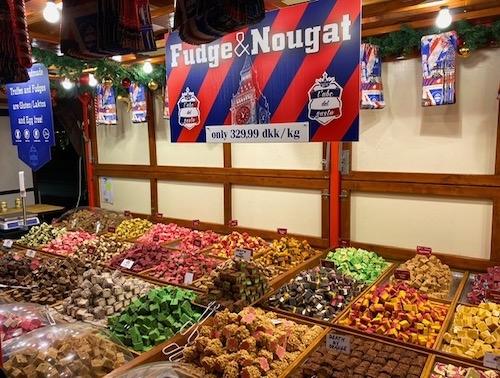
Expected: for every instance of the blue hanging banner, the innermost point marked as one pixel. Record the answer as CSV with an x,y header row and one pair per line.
x,y
31,121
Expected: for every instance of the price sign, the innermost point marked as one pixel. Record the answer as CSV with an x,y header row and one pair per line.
x,y
282,231
402,274
233,223
243,254
156,238
188,278
426,251
340,343
127,264
196,222
73,223
159,215
276,321
491,361
7,243
127,213
345,243
493,295
197,243
328,264
97,227
30,253
111,229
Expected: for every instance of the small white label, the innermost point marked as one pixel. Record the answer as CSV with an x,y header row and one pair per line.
x,y
127,264
97,227
7,243
30,253
188,278
340,343
243,254
258,133
276,321
492,361
73,223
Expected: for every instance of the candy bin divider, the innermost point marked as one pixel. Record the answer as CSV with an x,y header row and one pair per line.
x,y
206,252
429,365
172,244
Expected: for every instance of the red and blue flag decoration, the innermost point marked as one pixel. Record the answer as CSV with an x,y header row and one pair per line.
x,y
293,77
372,95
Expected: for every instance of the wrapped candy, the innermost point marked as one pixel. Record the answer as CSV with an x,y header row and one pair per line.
x,y
20,318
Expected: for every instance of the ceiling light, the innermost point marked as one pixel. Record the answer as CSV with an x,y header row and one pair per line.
x,y
51,13
67,84
443,19
147,67
92,80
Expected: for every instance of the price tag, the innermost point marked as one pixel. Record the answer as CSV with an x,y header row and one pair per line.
x,y
233,223
282,231
159,215
97,227
344,243
73,223
111,229
426,251
196,222
127,264
188,278
91,249
328,264
340,343
402,274
30,253
127,213
493,295
243,254
7,243
156,238
491,361
276,321
197,243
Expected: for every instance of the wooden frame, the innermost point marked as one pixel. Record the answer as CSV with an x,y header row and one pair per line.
x,y
315,180
426,184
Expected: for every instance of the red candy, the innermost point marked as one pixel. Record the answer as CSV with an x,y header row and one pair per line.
x,y
484,282
144,256
163,233
197,240
68,243
12,325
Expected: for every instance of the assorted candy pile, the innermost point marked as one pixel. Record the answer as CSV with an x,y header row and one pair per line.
x,y
131,229
142,256
19,319
15,269
248,344
357,263
285,253
398,311
197,240
483,283
67,243
164,233
319,293
475,331
442,370
94,221
228,243
102,248
41,235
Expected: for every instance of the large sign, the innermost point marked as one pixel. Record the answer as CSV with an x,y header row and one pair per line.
x,y
31,122
294,77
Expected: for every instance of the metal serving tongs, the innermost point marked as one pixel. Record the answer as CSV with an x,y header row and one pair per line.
x,y
173,351
2,286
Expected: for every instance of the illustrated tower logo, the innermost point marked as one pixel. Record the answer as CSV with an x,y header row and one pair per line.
x,y
249,105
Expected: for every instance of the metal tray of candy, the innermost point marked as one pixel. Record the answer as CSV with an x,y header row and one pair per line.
x,y
172,349
352,351
463,298
456,361
309,265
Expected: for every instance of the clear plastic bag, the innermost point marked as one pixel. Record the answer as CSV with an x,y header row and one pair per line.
x,y
64,351
18,319
164,370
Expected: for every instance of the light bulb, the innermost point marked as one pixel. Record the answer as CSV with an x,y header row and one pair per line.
x,y
92,80
51,13
443,19
117,58
147,67
67,84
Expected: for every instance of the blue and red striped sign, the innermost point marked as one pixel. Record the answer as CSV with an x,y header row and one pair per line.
x,y
294,77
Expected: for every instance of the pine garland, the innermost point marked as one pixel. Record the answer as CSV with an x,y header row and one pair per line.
x,y
406,41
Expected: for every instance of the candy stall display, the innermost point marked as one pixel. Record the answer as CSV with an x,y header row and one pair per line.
x,y
132,228
68,243
41,235
229,243
285,253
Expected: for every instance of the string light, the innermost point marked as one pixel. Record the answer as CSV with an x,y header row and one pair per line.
x,y
67,84
92,80
147,67
51,12
443,19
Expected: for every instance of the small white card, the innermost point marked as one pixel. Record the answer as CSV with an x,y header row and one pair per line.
x,y
340,343
127,264
97,227
30,253
243,254
491,361
188,278
7,243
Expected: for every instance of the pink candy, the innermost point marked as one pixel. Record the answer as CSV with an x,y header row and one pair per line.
x,y
197,240
12,325
484,282
163,233
68,243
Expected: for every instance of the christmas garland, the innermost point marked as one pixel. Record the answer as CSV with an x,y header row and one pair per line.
x,y
405,42
105,70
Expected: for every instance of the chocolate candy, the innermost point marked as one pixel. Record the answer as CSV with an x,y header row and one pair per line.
x,y
228,243
155,317
475,331
236,285
16,269
67,243
179,263
429,275
285,253
442,370
357,263
103,294
252,343
144,257
133,228
398,311
94,221
367,359
41,235
64,351
101,249
482,283
320,293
